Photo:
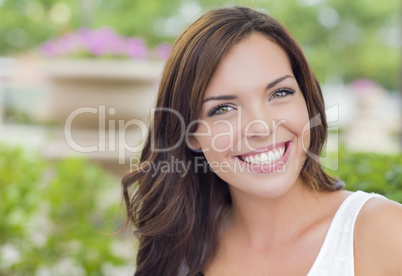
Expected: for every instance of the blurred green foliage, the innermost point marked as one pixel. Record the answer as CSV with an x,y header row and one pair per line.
x,y
57,216
25,24
371,172
19,177
343,39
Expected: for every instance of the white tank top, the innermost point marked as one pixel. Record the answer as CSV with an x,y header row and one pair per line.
x,y
336,254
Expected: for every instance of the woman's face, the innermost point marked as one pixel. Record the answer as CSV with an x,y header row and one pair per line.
x,y
254,124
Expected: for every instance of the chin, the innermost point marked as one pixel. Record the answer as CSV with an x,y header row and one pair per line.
x,y
266,189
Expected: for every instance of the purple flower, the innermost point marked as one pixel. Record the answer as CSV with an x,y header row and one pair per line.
x,y
49,49
136,48
101,42
363,87
68,44
163,50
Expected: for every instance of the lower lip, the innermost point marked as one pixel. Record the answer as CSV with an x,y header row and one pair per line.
x,y
269,168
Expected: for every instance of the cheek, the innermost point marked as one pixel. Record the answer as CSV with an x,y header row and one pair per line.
x,y
306,138
296,119
217,137
304,127
222,138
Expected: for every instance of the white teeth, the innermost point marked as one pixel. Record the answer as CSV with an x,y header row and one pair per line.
x,y
266,157
271,155
263,157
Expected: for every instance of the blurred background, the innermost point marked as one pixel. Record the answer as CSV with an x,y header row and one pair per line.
x,y
78,79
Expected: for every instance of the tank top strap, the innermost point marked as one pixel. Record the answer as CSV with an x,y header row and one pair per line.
x,y
336,254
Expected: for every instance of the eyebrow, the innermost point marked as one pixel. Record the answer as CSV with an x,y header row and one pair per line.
x,y
278,80
228,97
232,97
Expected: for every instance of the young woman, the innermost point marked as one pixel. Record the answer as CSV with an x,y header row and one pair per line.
x,y
229,181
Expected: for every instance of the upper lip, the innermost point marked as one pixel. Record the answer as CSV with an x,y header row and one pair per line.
x,y
263,149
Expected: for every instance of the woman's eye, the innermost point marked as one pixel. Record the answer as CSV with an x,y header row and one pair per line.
x,y
221,109
281,93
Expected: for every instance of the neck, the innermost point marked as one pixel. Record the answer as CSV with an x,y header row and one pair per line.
x,y
269,221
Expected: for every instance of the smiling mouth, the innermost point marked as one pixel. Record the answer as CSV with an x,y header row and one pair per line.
x,y
265,158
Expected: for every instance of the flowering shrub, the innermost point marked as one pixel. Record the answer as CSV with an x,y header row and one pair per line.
x,y
371,172
103,42
57,217
55,214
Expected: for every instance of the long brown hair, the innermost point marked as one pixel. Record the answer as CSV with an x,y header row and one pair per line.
x,y
177,215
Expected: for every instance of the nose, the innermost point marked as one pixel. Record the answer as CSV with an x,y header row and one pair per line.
x,y
257,122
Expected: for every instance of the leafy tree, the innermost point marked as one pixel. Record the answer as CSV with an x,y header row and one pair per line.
x,y
348,39
24,24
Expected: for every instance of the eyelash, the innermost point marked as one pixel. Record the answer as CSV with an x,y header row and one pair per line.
x,y
284,92
287,91
214,111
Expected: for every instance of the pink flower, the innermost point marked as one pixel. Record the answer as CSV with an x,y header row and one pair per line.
x,y
163,50
101,42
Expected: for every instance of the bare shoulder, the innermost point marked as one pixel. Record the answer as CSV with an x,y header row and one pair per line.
x,y
378,238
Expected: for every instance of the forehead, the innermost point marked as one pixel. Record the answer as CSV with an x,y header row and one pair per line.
x,y
253,62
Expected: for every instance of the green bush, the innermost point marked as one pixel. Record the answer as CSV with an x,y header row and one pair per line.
x,y
20,175
371,172
55,215
56,218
